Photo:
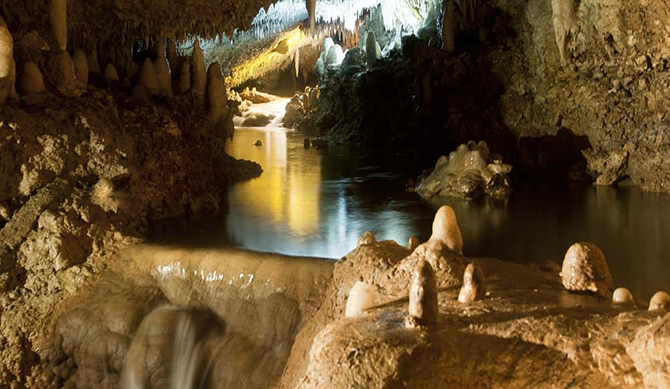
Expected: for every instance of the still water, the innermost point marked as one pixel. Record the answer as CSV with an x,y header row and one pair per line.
x,y
313,202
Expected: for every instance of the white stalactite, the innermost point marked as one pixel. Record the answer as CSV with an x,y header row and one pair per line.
x,y
58,21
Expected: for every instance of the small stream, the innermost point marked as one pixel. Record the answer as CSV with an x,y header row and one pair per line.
x,y
311,202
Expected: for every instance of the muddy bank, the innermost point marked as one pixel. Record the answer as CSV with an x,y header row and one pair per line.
x,y
81,178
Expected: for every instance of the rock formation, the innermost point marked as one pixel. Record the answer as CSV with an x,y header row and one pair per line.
x,y
423,309
58,22
162,67
367,238
184,77
445,229
60,76
93,63
585,270
7,65
622,296
371,49
449,26
311,10
148,77
111,75
199,75
31,81
217,100
470,171
566,25
361,297
80,65
474,284
659,301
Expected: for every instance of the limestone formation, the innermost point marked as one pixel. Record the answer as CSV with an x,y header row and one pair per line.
x,y
217,100
148,77
585,270
470,171
111,75
184,78
445,228
172,55
622,296
566,25
371,49
296,62
367,238
61,77
449,26
199,76
58,22
659,301
311,10
7,66
361,297
334,56
31,81
93,63
413,243
163,72
423,308
474,284
80,65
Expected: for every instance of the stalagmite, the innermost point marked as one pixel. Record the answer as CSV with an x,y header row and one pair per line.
x,y
413,243
659,301
367,238
60,75
7,66
423,309
622,296
311,10
148,77
565,25
199,76
80,65
217,101
172,55
163,72
449,27
296,62
111,75
585,269
371,49
474,284
184,78
445,228
93,63
31,80
361,297
58,21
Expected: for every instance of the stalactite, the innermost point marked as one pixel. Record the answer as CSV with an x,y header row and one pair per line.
x,y
58,21
449,26
311,10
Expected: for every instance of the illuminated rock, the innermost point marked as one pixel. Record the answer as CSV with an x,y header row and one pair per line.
x,y
423,309
585,269
334,56
445,228
659,301
217,101
31,81
199,76
413,243
58,22
474,284
7,66
361,297
111,75
371,49
311,10
468,172
565,25
622,296
93,63
80,65
60,76
163,72
367,238
148,77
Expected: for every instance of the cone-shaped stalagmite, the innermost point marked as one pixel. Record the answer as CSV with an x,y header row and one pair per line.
x,y
58,21
311,10
148,77
199,76
163,72
585,269
31,80
172,55
111,75
80,65
217,101
449,26
93,63
7,66
184,78
445,228
474,285
371,49
423,309
60,76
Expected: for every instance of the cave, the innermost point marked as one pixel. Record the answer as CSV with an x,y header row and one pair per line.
x,y
334,194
